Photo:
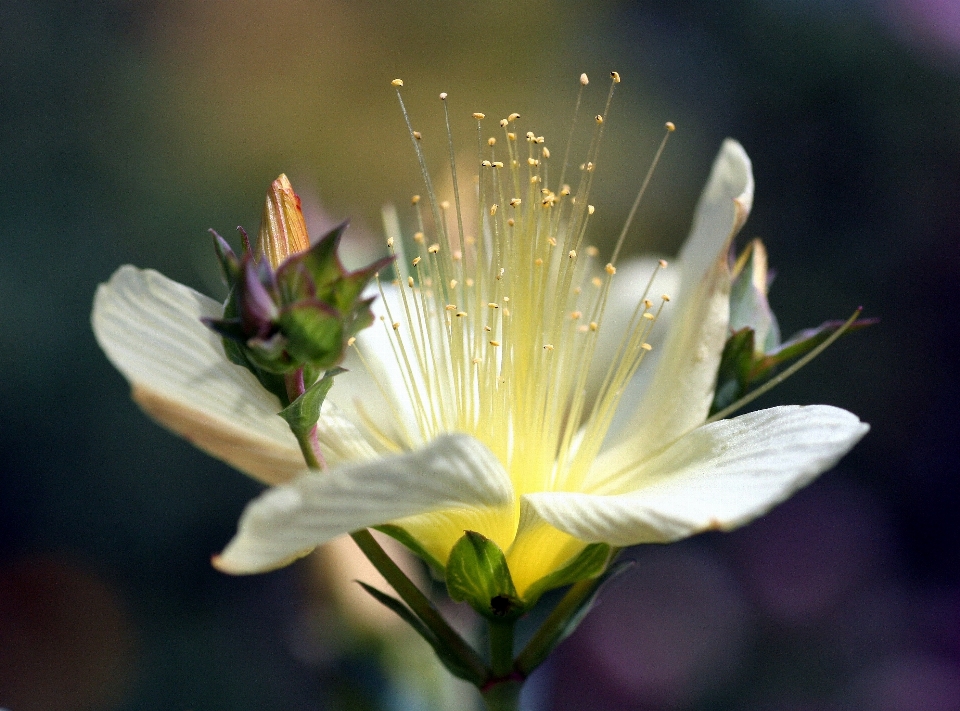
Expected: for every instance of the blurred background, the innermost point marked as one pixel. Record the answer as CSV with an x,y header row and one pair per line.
x,y
127,128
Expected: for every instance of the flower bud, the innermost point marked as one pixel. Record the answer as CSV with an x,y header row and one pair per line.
x,y
283,231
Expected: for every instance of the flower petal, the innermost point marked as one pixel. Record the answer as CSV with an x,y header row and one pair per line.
x,y
453,471
723,208
149,326
720,476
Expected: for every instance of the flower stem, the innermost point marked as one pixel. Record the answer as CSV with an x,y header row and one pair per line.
x,y
501,647
309,444
503,696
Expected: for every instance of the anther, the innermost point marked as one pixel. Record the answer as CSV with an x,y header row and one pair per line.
x,y
497,164
416,261
495,344
512,136
531,136
503,123
649,316
396,325
565,190
450,307
594,325
493,209
415,199
443,96
665,297
513,117
591,209
671,127
572,254
647,303
418,237
486,163
538,262
615,76
351,340
589,167
646,346
610,269
479,116
598,118
453,283
663,263
390,242
592,251
552,242
597,282
532,161
491,141
493,305
433,248
397,82
410,282
487,329
514,202
548,347
584,80
511,222
417,135
574,315
546,152
461,314
506,299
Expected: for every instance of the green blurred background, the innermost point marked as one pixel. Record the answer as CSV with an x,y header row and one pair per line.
x,y
128,128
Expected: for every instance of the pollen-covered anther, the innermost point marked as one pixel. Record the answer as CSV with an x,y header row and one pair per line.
x,y
397,82
445,205
548,346
670,126
417,135
351,340
513,117
469,281
493,305
491,141
511,136
390,242
665,297
589,166
461,314
647,304
532,161
477,361
584,80
487,329
649,316
503,123
646,346
565,190
531,136
594,325
418,237
663,263
534,179
495,344
457,256
511,222
572,254
498,164
538,262
597,282
486,163
410,281
450,307
552,241
479,116
415,199
592,251
493,209
453,283
610,269
443,96
575,315
598,118
433,248
514,202
416,261
546,153
591,209
615,76
396,325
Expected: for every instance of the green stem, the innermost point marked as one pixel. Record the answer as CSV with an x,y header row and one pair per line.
x,y
308,442
503,696
420,604
501,647
552,629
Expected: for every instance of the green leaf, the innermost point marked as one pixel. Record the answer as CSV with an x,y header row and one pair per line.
x,y
733,374
477,573
399,534
590,563
448,657
302,414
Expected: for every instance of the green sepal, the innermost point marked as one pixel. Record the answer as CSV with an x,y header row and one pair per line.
x,y
800,344
734,373
302,414
313,332
564,619
448,657
589,563
400,534
477,573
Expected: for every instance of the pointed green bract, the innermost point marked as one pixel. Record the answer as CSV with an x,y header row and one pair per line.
x,y
302,414
477,573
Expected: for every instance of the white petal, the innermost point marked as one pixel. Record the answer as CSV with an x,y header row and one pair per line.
x,y
720,476
723,208
149,326
289,521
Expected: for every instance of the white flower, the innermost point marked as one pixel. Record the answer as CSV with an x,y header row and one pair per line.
x,y
478,406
